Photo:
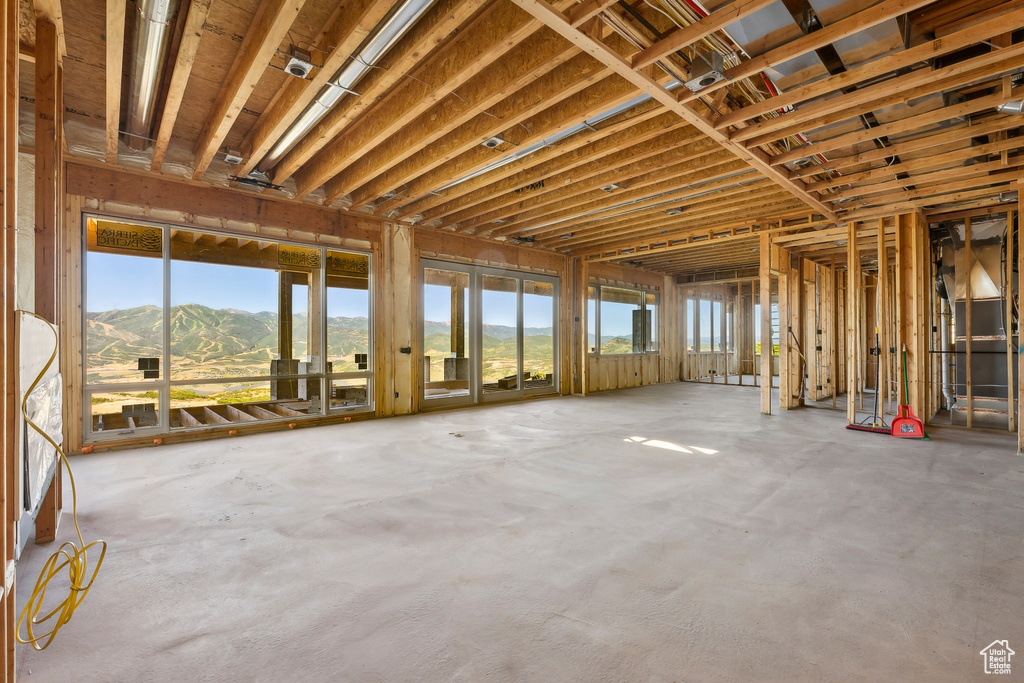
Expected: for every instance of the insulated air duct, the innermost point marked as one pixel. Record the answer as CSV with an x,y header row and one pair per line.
x,y
388,32
149,53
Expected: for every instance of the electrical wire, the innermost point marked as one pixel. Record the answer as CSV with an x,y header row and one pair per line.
x,y
70,558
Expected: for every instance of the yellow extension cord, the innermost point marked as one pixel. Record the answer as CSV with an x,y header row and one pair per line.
x,y
69,556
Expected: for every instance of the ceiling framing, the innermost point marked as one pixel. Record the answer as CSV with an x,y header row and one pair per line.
x,y
829,112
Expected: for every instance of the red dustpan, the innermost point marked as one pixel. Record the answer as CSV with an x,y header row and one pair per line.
x,y
906,425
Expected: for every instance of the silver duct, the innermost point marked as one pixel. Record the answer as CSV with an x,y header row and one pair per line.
x,y
1011,107
389,32
149,53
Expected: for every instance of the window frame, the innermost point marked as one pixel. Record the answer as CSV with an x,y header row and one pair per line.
x,y
651,343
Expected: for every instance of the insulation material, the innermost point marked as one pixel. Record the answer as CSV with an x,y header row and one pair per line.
x,y
85,142
26,234
37,457
43,408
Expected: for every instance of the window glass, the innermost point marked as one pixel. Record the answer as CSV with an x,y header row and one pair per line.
x,y
690,323
620,319
716,329
538,333
706,325
592,299
348,312
124,321
651,305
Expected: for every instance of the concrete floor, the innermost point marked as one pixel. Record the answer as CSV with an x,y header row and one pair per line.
x,y
667,533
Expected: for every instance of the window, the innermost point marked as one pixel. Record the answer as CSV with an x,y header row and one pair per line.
x,y
716,326
690,323
187,328
626,320
706,325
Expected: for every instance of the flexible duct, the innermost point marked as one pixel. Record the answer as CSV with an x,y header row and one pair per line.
x,y
947,373
389,32
149,53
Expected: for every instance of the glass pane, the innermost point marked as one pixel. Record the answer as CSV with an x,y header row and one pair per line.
x,y
124,321
619,309
690,329
706,325
728,328
592,297
652,321
117,411
757,329
348,393
500,343
199,405
716,330
538,334
446,351
348,312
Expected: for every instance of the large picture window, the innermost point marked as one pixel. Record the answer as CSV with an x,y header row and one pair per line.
x,y
189,328
626,320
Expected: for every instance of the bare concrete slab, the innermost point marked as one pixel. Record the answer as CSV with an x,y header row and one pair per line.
x,y
667,533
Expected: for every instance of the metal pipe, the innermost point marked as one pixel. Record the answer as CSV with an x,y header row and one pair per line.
x,y
947,381
149,54
388,32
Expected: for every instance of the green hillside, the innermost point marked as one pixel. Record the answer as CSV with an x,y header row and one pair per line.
x,y
209,343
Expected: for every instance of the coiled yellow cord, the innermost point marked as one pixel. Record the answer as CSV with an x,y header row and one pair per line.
x,y
70,557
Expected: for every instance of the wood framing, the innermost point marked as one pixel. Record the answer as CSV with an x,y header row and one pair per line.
x,y
115,52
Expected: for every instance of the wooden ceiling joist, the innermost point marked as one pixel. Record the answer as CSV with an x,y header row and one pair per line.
x,y
903,126
757,159
680,38
468,115
492,35
195,23
877,68
338,42
114,76
274,19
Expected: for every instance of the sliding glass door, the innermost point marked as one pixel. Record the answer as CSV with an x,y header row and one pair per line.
x,y
488,334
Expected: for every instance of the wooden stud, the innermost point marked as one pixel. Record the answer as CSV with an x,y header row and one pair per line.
x,y
1011,413
766,323
852,316
968,305
49,121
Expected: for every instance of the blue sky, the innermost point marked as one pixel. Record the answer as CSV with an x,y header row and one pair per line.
x,y
499,307
118,282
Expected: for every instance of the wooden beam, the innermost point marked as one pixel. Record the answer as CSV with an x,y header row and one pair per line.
x,y
852,317
398,64
764,272
338,43
878,67
142,188
9,432
901,126
195,22
115,54
920,83
679,38
1019,389
855,23
587,10
968,332
48,124
50,10
646,84
468,54
271,25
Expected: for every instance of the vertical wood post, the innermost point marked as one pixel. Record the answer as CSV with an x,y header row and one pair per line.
x,y
968,304
765,273
1011,413
882,320
852,316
